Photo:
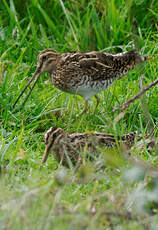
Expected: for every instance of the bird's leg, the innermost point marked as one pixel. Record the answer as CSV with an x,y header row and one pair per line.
x,y
85,107
97,103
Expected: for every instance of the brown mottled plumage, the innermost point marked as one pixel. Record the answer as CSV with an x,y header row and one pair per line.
x,y
83,73
71,147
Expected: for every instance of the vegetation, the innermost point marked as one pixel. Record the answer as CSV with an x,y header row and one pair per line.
x,y
119,193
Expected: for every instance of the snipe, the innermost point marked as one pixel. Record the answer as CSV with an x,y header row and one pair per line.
x,y
83,73
69,148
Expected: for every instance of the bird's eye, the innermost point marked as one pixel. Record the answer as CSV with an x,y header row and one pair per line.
x,y
43,58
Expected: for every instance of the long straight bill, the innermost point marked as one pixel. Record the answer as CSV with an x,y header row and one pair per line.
x,y
36,74
37,77
45,156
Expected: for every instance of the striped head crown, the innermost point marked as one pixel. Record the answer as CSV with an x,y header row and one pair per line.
x,y
47,60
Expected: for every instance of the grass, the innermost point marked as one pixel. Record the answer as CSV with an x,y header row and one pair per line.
x,y
95,197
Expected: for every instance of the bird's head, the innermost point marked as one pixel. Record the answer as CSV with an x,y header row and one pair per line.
x,y
47,61
52,134
49,138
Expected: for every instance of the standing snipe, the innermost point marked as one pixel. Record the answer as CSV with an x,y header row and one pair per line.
x,y
83,73
70,148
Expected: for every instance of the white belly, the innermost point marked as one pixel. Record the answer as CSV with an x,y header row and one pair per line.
x,y
88,90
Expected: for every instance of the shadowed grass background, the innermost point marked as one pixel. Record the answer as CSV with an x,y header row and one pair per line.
x,y
51,197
